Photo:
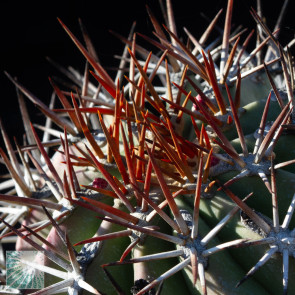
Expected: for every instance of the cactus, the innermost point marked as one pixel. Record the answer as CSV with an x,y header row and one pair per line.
x,y
175,178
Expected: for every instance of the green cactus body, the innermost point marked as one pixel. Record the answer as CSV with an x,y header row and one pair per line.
x,y
248,256
110,250
220,265
153,269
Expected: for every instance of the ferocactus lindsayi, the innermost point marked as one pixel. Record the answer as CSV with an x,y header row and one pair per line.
x,y
176,176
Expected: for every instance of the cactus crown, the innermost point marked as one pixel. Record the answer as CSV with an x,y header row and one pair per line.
x,y
157,164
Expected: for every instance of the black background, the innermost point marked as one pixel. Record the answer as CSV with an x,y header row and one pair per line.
x,y
30,32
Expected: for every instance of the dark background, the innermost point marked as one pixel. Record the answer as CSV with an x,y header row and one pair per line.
x,y
30,32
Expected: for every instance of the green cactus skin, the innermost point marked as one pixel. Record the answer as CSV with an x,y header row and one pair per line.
x,y
219,280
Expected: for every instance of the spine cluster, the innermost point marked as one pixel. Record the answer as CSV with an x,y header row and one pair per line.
x,y
175,178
